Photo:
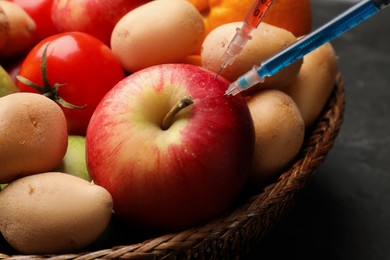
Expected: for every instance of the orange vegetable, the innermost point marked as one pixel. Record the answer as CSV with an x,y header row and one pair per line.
x,y
292,15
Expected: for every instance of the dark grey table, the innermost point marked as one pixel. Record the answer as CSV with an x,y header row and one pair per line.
x,y
345,211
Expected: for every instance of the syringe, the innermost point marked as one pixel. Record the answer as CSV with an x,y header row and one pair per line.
x,y
251,22
337,26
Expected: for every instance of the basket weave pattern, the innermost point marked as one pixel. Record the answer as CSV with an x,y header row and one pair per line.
x,y
231,235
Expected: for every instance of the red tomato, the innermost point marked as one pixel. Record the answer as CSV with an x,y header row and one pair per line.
x,y
40,12
85,66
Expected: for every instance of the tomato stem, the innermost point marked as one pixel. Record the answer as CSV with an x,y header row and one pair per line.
x,y
47,90
46,85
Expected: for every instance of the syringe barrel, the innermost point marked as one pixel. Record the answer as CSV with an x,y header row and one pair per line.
x,y
353,16
257,12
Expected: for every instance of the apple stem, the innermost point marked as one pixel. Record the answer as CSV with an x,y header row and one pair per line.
x,y
168,119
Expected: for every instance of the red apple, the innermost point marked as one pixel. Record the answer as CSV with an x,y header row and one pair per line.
x,y
170,170
40,12
96,17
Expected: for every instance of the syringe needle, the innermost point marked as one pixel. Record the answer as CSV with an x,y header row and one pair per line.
x,y
235,46
229,54
219,72
251,22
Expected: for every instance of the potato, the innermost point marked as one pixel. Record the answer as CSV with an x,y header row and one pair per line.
x,y
53,212
157,32
22,30
279,132
266,41
33,135
4,28
314,83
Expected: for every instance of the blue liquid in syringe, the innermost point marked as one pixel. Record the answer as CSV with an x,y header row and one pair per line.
x,y
324,34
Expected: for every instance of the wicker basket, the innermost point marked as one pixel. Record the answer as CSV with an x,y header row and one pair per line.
x,y
232,235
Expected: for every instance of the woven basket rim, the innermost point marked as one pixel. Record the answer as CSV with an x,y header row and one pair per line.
x,y
234,233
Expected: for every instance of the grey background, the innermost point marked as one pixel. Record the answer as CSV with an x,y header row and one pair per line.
x,y
345,211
